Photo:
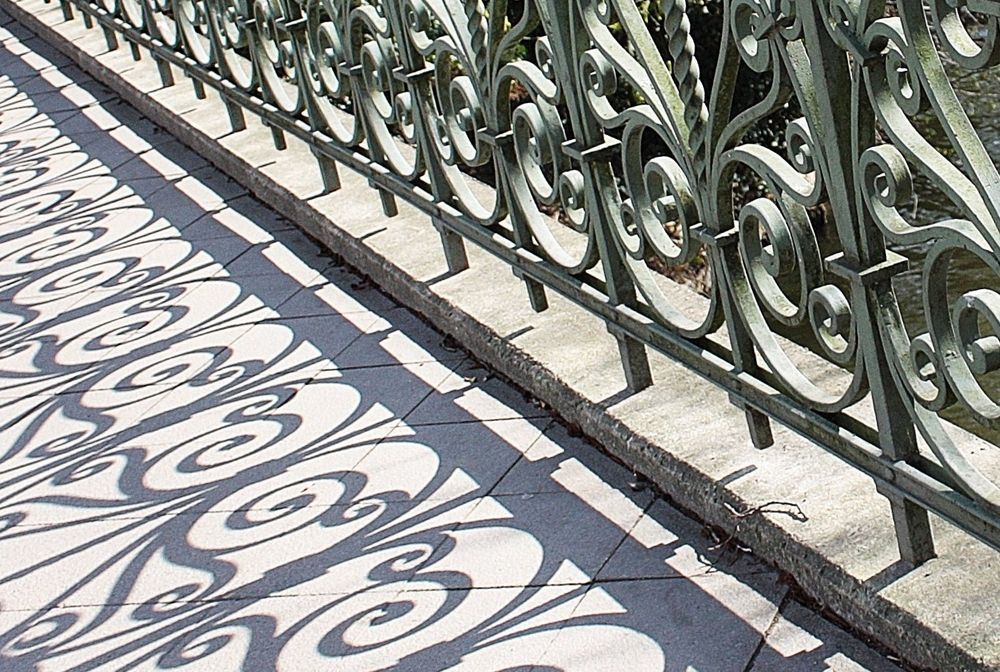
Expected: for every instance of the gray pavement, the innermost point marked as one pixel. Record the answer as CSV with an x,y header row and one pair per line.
x,y
219,450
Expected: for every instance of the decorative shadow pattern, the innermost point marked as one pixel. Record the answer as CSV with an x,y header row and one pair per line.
x,y
220,451
583,143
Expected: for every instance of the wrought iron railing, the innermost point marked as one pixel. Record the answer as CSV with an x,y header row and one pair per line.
x,y
580,142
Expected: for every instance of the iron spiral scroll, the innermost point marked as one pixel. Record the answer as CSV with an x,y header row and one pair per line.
x,y
600,141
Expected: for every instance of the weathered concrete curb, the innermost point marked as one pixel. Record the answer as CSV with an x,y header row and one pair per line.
x,y
920,615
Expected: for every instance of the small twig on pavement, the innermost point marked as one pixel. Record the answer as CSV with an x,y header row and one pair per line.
x,y
794,511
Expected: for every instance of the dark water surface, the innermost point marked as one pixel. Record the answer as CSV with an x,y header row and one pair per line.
x,y
979,94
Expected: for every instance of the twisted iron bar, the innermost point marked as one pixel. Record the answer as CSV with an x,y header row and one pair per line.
x,y
688,75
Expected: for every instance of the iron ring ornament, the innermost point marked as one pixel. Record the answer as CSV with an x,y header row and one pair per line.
x,y
618,143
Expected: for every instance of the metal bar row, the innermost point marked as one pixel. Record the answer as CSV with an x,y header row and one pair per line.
x,y
595,148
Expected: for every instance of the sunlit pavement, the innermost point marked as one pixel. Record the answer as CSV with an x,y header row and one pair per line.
x,y
219,450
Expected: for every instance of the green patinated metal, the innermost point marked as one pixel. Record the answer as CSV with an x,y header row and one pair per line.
x,y
580,142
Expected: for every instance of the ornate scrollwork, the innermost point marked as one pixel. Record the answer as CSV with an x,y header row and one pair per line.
x,y
228,20
542,177
601,138
273,48
193,24
378,95
163,24
449,68
949,361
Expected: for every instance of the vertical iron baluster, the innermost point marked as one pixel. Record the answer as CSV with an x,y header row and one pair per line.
x,y
864,262
591,149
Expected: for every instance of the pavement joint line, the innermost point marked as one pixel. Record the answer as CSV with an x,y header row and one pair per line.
x,y
179,513
81,390
627,535
256,597
430,392
200,512
778,615
480,421
243,378
382,365
711,571
207,600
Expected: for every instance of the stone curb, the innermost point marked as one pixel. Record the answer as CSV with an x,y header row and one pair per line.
x,y
857,602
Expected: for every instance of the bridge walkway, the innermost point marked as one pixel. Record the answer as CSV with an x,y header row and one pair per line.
x,y
221,450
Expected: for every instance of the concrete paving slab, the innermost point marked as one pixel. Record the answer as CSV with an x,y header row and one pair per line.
x,y
224,223
505,539
244,547
695,624
168,157
326,336
473,393
348,293
667,544
475,631
800,640
273,289
552,465
429,461
405,339
274,256
46,82
258,212
87,120
71,423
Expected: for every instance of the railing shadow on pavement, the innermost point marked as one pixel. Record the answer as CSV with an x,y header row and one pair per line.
x,y
219,455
